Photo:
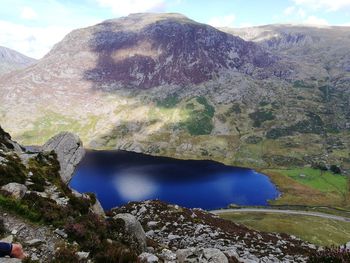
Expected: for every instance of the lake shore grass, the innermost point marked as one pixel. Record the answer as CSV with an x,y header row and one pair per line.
x,y
319,231
309,187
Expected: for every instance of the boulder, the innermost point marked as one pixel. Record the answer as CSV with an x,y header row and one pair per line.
x,y
69,150
183,254
15,189
214,255
147,258
134,229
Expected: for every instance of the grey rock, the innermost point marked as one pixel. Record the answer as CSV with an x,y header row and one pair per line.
x,y
152,224
61,233
15,189
183,254
82,255
10,260
134,229
148,258
98,209
69,150
214,255
168,255
34,242
347,246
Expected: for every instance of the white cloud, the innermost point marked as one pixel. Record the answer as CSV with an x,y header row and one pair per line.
x,y
313,20
28,13
301,13
31,41
122,7
293,10
223,21
329,5
289,10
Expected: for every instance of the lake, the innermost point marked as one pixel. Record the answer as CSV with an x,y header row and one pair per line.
x,y
117,177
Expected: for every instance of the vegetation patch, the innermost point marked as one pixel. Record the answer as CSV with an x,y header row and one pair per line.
x,y
313,124
253,139
261,116
199,121
323,181
302,84
169,102
12,170
319,231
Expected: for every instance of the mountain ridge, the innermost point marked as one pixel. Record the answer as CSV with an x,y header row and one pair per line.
x,y
12,60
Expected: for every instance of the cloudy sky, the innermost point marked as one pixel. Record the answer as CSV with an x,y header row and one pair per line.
x,y
32,27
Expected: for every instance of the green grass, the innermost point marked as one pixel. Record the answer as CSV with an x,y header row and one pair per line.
x,y
319,231
200,114
323,181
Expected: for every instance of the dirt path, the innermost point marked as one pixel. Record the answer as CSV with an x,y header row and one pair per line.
x,y
289,212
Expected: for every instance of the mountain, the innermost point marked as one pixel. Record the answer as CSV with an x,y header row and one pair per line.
x,y
266,97
326,48
12,60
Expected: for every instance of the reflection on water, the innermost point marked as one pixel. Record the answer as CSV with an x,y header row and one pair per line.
x,y
133,185
118,177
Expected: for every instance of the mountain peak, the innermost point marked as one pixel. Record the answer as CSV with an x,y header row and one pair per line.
x,y
150,49
12,60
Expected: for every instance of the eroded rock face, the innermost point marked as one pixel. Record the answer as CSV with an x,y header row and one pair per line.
x,y
135,230
97,208
69,150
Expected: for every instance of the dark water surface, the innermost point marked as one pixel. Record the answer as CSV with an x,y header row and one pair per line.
x,y
118,177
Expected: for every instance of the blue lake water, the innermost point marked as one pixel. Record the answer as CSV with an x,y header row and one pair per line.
x,y
118,177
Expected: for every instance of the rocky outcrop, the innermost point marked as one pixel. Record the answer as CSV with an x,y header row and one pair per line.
x,y
97,208
16,190
134,229
193,235
69,150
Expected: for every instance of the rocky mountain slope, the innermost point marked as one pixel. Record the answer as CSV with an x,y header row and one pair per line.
x,y
57,224
11,60
166,85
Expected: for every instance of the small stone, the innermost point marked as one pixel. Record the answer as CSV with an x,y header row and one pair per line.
x,y
61,233
14,232
150,233
34,242
82,255
148,258
168,255
34,257
172,237
152,224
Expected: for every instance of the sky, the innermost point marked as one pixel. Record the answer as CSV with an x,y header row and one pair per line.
x,y
32,27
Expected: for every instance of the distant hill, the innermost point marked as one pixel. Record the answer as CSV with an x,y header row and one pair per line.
x,y
11,60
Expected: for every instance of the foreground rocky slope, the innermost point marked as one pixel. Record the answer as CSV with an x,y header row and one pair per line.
x,y
57,225
11,60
